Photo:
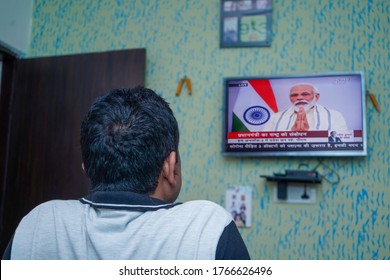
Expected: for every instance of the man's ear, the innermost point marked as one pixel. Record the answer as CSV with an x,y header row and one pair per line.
x,y
317,96
82,166
169,167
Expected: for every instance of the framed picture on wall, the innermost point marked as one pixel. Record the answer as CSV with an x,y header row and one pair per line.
x,y
245,23
238,202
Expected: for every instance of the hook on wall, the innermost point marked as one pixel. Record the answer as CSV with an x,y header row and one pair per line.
x,y
374,101
181,83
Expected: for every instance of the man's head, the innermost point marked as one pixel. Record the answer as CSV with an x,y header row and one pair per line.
x,y
304,95
129,142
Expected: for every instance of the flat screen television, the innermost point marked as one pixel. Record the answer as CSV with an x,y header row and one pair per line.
x,y
308,115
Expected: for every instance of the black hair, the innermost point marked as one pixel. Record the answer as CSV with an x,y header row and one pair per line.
x,y
125,137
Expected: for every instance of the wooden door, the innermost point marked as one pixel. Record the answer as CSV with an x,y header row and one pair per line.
x,y
49,98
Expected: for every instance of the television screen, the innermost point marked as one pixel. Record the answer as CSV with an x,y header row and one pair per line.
x,y
300,115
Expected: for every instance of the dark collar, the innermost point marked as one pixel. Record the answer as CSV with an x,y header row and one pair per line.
x,y
125,201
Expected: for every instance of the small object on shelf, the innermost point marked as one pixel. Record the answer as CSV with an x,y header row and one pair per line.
x,y
292,176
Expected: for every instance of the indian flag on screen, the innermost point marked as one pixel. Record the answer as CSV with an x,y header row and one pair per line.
x,y
254,106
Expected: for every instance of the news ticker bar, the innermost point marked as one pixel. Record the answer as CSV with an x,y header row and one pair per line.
x,y
312,146
290,140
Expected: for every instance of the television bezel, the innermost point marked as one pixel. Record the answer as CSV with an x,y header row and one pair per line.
x,y
350,153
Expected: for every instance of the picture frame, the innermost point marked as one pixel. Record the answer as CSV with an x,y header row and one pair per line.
x,y
238,202
245,23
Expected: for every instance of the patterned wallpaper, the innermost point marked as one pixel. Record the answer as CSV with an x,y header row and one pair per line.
x,y
350,219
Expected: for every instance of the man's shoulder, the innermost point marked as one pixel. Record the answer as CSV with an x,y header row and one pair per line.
x,y
196,214
47,208
203,203
205,207
58,203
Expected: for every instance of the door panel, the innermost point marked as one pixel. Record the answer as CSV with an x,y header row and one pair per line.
x,y
49,99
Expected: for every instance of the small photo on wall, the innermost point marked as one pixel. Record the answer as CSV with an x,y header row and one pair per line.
x,y
230,31
245,23
239,203
253,28
229,6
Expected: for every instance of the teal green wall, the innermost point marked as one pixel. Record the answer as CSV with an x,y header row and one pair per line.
x,y
351,219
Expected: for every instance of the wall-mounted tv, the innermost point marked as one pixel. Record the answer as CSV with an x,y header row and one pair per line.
x,y
304,115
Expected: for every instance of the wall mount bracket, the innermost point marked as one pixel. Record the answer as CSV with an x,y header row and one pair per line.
x,y
292,176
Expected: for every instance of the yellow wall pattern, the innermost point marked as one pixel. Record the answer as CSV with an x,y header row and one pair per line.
x,y
351,219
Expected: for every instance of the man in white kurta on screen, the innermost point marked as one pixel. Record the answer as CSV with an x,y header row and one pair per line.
x,y
305,113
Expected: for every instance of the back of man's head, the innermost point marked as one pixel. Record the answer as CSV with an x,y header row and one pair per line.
x,y
125,137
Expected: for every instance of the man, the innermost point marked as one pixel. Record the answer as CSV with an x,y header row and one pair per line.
x,y
129,144
305,113
333,137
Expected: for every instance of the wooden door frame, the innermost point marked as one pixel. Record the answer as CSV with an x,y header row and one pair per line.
x,y
7,75
120,68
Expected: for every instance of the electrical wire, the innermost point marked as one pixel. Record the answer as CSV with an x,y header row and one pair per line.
x,y
331,171
325,166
